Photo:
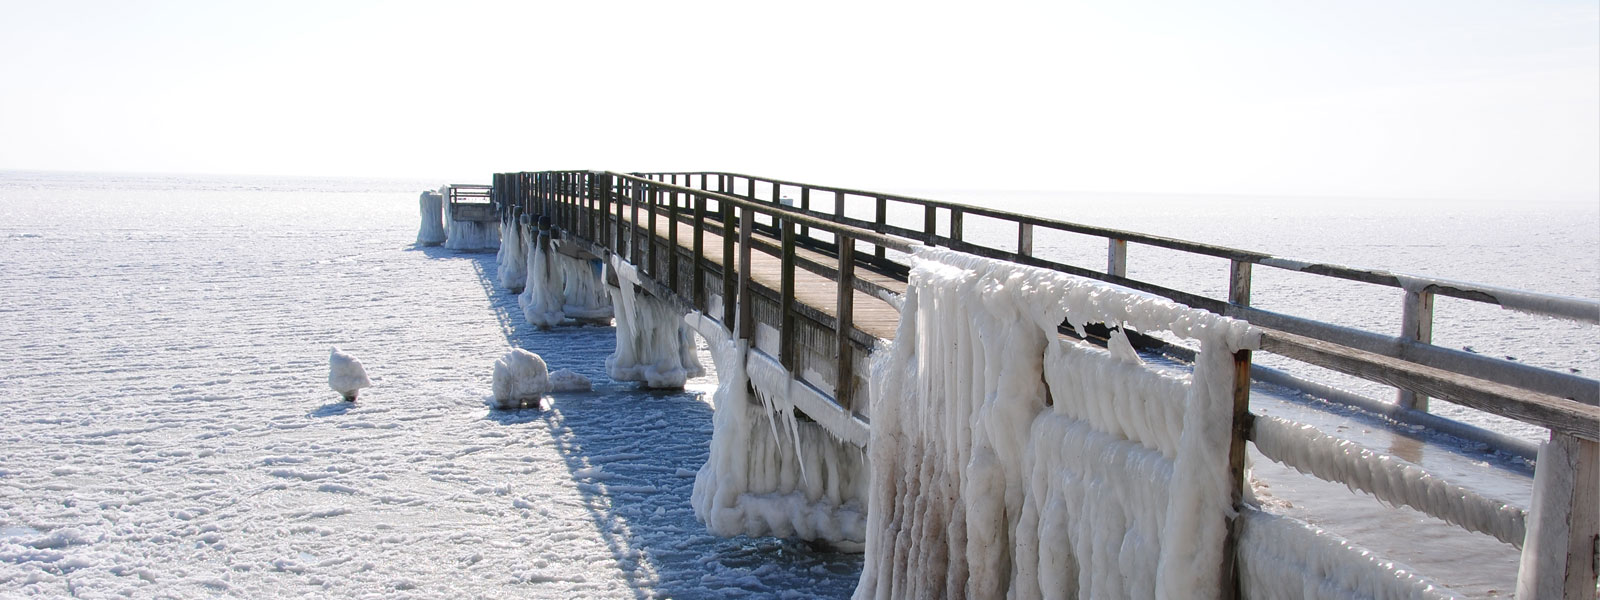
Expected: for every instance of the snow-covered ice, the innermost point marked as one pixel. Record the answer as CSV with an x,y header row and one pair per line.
x,y
346,375
168,432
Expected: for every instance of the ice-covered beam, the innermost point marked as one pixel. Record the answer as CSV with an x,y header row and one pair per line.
x,y
470,236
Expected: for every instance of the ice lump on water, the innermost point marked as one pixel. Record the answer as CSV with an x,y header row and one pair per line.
x,y
520,377
346,375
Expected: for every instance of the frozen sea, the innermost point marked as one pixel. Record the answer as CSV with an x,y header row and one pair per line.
x,y
168,431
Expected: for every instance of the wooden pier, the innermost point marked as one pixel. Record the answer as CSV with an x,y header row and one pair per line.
x,y
801,273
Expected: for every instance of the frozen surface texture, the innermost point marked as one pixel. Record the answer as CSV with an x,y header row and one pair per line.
x,y
520,378
654,345
345,374
568,380
166,429
1281,557
1009,463
431,233
770,473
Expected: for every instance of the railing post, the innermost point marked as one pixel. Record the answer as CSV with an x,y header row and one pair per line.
x,y
747,322
1239,294
652,197
1117,262
1416,324
1025,239
845,368
881,220
699,272
730,289
672,239
805,206
1559,549
786,332
635,198
930,224
955,224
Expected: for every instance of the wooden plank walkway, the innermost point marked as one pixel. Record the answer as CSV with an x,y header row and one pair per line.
x,y
872,315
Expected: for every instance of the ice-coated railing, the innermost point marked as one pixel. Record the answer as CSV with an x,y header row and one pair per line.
x,y
620,213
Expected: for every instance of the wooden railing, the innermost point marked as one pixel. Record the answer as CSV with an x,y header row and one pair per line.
x,y
620,212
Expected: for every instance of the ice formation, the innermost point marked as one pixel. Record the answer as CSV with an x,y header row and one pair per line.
x,y
1388,478
770,473
541,298
470,236
513,256
432,231
1280,557
520,377
1009,463
346,375
584,289
654,345
567,380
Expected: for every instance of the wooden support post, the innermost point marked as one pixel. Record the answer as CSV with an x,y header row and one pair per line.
x,y
1239,283
1025,239
1416,324
624,229
838,204
1559,550
786,332
843,387
1238,293
730,289
607,234
881,220
747,312
930,225
653,197
1117,258
955,224
635,233
672,241
805,206
699,277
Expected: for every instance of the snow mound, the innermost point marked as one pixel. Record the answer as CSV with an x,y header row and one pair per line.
x,y
346,375
520,377
567,380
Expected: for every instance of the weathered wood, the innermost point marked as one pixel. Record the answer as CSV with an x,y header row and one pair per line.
x,y
1416,324
844,380
955,224
747,322
882,207
1239,283
652,198
1559,552
1025,239
786,333
1559,414
730,289
672,240
1238,438
930,225
1117,257
699,237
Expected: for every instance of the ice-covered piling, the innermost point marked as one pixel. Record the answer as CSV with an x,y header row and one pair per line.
x,y
541,298
768,472
432,231
654,345
512,260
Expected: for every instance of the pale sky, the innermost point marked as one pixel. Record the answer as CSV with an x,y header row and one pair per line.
x,y
1450,98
